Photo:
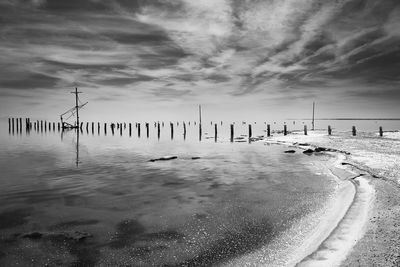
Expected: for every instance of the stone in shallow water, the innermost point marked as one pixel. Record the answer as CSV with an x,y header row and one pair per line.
x,y
290,151
164,158
308,151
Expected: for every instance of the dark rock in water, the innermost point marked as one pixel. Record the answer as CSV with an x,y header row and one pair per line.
x,y
164,158
304,144
195,158
320,149
33,235
308,151
73,235
290,151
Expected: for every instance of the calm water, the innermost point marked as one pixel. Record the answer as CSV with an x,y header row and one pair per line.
x,y
233,200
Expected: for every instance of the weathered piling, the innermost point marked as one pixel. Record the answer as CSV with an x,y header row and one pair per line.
x,y
232,132
215,132
268,130
92,127
58,126
20,124
147,129
112,128
200,132
138,129
305,129
285,129
120,129
158,130
184,130
172,130
9,124
45,126
354,130
34,126
105,128
81,126
130,129
49,126
380,131
41,126
329,130
54,126
87,127
250,131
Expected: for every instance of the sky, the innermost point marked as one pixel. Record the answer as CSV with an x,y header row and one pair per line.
x,y
240,59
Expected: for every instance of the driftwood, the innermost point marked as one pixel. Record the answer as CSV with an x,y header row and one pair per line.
x,y
164,158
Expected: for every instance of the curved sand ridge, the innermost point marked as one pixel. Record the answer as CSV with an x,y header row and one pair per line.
x,y
334,249
322,238
349,228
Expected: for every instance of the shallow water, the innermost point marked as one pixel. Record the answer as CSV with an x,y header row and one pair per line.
x,y
234,199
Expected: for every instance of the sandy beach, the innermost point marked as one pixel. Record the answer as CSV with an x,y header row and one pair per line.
x,y
370,225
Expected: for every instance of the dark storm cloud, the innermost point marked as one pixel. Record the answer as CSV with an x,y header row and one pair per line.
x,y
240,47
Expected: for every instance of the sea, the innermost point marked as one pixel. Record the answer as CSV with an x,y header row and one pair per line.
x,y
94,198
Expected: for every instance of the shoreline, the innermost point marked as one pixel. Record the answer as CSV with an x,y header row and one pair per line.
x,y
380,219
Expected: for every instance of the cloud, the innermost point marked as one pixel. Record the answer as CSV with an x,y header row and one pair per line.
x,y
198,50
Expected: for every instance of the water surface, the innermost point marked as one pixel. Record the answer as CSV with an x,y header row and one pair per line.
x,y
235,198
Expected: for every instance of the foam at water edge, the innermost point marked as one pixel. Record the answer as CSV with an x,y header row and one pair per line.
x,y
307,233
336,247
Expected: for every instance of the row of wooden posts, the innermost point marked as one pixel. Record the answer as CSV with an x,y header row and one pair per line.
x,y
40,126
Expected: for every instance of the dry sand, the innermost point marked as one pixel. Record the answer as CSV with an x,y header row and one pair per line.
x,y
378,159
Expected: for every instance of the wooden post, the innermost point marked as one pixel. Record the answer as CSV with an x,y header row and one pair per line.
x,y
329,130
305,129
147,129
380,131
172,130
184,131
112,128
105,128
250,131
268,130
138,129
49,126
9,124
80,126
98,128
54,126
120,129
215,132
285,129
313,115
232,132
158,130
354,131
200,131
41,126
130,129
92,127
34,126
